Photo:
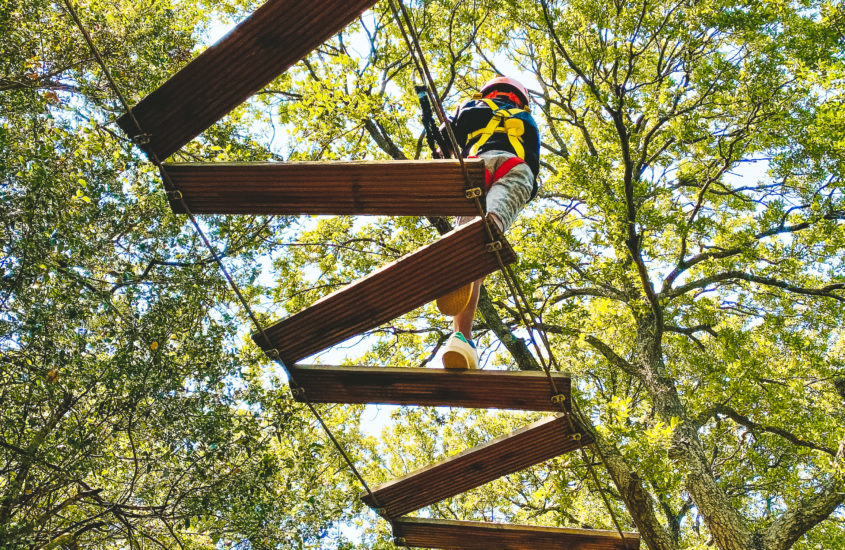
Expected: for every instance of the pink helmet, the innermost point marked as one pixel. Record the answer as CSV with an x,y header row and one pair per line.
x,y
506,83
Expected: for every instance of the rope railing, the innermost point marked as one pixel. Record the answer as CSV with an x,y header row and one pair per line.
x,y
524,308
527,317
174,194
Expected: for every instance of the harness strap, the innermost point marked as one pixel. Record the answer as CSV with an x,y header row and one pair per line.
x,y
504,168
503,121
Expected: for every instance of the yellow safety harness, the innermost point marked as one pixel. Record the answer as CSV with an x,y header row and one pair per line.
x,y
504,121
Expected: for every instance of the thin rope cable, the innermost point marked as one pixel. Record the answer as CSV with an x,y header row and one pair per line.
x,y
510,278
425,76
102,63
512,282
233,285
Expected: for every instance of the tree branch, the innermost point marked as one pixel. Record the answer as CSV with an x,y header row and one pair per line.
x,y
596,292
690,332
383,140
802,517
736,276
611,356
782,228
516,346
637,500
754,426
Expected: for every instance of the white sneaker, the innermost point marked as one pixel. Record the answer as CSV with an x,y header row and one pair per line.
x,y
459,354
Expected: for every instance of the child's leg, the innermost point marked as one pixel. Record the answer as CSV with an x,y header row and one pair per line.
x,y
505,199
462,322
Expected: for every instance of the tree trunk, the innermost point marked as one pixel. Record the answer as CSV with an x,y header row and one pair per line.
x,y
725,524
637,500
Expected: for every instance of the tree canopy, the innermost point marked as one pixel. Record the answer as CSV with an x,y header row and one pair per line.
x,y
685,256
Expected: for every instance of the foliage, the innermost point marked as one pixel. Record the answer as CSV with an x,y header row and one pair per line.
x,y
130,416
684,255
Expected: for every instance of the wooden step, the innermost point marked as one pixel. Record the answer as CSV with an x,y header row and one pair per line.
x,y
510,453
268,42
391,188
481,389
457,258
475,535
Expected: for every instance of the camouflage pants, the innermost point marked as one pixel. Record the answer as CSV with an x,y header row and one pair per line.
x,y
509,194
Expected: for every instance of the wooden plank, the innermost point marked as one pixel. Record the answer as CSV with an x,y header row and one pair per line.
x,y
474,535
268,42
510,453
454,260
391,188
517,390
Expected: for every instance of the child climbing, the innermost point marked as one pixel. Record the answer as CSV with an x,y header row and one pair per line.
x,y
496,126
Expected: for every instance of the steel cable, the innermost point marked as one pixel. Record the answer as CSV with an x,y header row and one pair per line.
x,y
175,193
511,280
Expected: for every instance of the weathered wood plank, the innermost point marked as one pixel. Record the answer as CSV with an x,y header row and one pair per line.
x,y
510,453
391,188
454,260
268,42
517,390
474,535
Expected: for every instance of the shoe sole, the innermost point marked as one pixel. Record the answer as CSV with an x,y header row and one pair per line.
x,y
455,302
455,360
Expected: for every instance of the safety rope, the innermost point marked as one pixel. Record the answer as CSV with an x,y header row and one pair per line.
x,y
522,303
422,68
174,194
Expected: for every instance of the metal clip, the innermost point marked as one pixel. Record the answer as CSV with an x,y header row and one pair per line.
x,y
382,512
399,541
272,353
559,399
174,195
473,193
495,246
575,437
142,139
297,393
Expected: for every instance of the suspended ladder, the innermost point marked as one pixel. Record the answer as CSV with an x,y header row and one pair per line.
x,y
272,39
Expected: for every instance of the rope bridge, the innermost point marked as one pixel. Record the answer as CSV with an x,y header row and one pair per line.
x,y
272,39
